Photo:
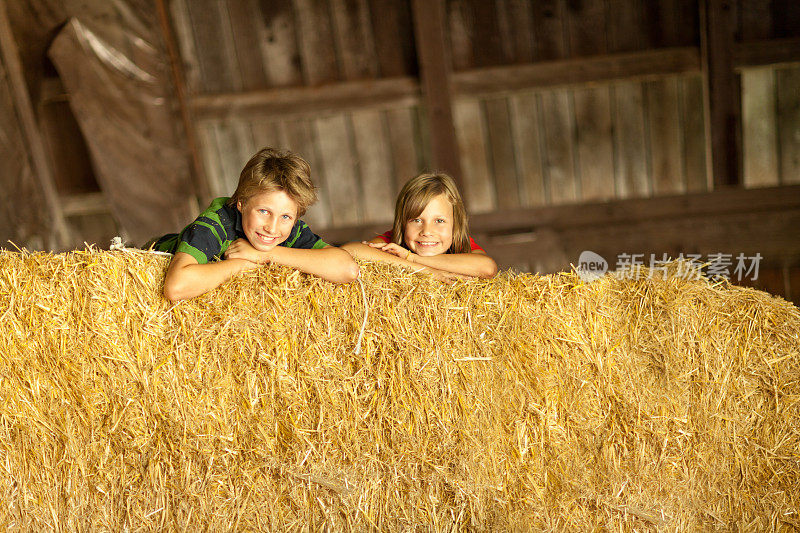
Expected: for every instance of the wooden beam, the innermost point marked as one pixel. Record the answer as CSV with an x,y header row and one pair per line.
x,y
202,189
721,93
764,53
435,67
389,92
645,64
60,237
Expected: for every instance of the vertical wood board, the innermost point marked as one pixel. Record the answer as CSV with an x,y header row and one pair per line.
x,y
595,143
216,53
245,18
666,147
374,165
299,137
558,117
501,150
479,195
394,38
525,120
694,146
317,48
759,128
550,30
404,140
353,35
630,142
586,23
337,165
788,81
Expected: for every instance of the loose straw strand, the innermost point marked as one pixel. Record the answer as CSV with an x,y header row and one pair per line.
x,y
366,314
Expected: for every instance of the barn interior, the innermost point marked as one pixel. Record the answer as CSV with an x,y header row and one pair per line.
x,y
635,130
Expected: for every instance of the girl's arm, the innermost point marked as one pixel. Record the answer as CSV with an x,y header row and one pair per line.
x,y
186,278
329,263
366,251
475,264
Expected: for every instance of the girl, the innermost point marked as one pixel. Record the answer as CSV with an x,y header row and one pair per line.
x,y
429,233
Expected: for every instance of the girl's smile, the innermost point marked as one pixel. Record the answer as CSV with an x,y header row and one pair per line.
x,y
268,218
431,233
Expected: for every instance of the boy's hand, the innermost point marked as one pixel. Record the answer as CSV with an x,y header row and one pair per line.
x,y
394,249
242,249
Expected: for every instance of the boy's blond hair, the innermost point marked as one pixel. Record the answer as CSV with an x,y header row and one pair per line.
x,y
414,197
276,170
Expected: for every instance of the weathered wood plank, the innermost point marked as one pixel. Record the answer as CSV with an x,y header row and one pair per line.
x,y
353,35
393,36
315,33
373,163
665,135
788,82
245,19
549,29
586,28
721,93
277,40
595,148
759,128
337,166
404,140
212,164
525,124
216,54
300,138
479,195
694,146
625,28
308,100
234,148
515,24
501,149
630,145
268,133
558,117
754,21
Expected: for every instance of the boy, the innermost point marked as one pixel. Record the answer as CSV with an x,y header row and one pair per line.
x,y
259,224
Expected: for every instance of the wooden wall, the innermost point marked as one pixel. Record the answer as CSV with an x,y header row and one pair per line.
x,y
538,117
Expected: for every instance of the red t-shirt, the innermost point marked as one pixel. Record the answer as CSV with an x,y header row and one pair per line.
x,y
387,237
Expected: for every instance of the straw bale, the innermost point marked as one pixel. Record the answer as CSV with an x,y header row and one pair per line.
x,y
521,402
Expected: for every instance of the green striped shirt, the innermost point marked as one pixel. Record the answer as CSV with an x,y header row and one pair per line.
x,y
207,238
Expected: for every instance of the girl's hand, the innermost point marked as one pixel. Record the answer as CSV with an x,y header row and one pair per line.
x,y
242,249
394,249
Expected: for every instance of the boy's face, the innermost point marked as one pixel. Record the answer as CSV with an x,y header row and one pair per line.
x,y
431,233
267,218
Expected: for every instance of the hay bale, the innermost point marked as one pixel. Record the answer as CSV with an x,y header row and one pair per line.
x,y
524,401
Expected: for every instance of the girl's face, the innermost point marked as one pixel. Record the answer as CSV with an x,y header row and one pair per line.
x,y
431,233
267,218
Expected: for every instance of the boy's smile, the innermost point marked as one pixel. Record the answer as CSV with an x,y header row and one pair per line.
x,y
431,233
267,218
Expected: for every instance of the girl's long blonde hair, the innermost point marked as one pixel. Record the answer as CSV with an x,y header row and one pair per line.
x,y
413,199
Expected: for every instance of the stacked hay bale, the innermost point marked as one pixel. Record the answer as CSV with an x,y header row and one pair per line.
x,y
271,403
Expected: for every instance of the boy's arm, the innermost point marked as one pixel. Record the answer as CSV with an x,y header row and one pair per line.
x,y
329,263
186,278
